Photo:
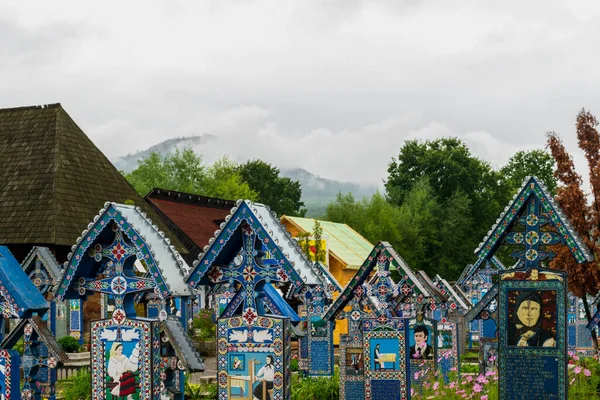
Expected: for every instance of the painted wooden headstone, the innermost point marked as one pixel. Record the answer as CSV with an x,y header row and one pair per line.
x,y
488,355
371,293
19,298
121,357
448,348
76,320
41,355
126,347
44,272
422,342
235,260
319,334
385,355
532,347
177,354
476,280
253,361
351,347
579,337
533,354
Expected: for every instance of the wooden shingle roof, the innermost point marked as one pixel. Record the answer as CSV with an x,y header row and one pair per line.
x,y
191,217
53,178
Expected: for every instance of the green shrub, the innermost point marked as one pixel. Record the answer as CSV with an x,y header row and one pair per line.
x,y
201,391
316,388
294,364
204,323
69,344
77,387
19,346
469,368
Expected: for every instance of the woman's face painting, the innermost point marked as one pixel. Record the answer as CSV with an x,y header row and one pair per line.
x,y
119,350
529,312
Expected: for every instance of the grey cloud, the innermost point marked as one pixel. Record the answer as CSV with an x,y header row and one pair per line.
x,y
497,75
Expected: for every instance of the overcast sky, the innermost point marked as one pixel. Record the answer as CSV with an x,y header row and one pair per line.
x,y
333,86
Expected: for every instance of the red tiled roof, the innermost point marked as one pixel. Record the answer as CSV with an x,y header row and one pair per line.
x,y
194,219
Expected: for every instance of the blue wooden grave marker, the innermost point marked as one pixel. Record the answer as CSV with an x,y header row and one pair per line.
x,y
19,298
126,349
371,293
235,261
385,354
44,272
531,300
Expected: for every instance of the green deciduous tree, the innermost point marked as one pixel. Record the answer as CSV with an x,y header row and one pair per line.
x,y
455,178
426,237
184,171
280,193
538,163
225,182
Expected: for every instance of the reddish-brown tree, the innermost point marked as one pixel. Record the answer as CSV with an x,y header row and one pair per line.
x,y
583,212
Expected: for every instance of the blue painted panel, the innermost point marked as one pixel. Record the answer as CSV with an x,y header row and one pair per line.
x,y
321,359
489,328
531,377
303,347
571,336
355,390
153,310
584,337
385,389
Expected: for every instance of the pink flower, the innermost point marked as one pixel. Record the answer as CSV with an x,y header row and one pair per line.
x,y
469,378
477,388
451,385
587,372
577,369
437,384
484,397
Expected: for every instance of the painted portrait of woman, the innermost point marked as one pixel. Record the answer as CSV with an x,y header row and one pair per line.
x,y
121,369
526,327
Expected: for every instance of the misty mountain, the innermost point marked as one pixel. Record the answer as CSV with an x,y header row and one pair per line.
x,y
129,162
316,191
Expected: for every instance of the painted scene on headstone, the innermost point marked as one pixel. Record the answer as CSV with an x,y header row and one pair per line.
x,y
121,359
251,359
385,357
354,361
122,364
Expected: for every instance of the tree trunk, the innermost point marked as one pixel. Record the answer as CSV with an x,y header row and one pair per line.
x,y
589,317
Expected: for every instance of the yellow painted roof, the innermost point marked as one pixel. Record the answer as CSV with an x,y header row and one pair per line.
x,y
343,241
